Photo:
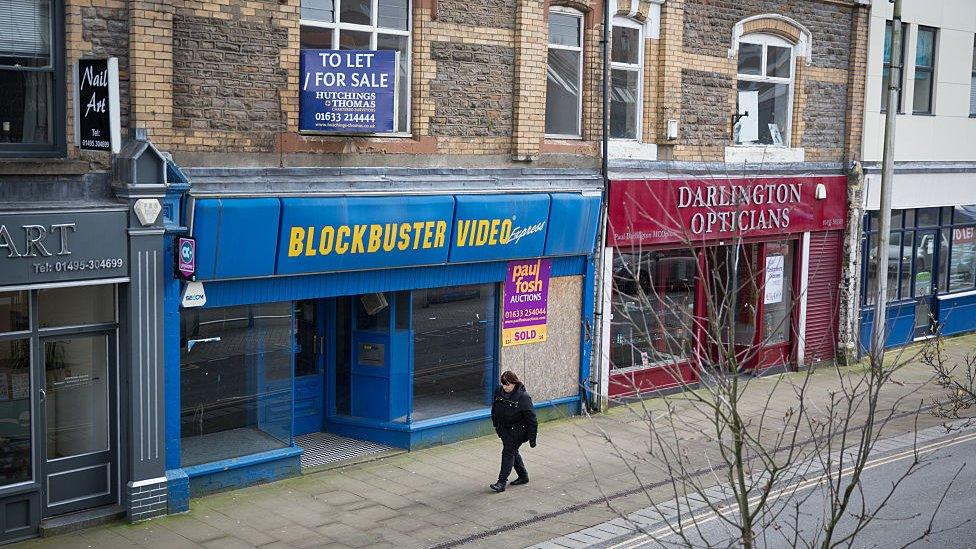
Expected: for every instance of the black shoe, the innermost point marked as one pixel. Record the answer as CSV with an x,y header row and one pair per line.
x,y
498,486
520,480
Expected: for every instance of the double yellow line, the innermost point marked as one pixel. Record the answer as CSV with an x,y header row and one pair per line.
x,y
709,516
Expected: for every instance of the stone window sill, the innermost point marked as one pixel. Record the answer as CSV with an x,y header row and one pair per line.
x,y
760,154
629,149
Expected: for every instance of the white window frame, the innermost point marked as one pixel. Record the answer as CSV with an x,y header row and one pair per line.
x,y
766,40
579,103
972,83
337,26
638,68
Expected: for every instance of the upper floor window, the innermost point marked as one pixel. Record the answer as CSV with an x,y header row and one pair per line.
x,y
924,71
363,25
886,71
30,73
564,70
626,79
765,91
972,84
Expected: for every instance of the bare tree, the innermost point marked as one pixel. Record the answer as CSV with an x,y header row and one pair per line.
x,y
768,471
958,379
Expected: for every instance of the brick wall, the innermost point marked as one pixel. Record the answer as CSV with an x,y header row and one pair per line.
x,y
227,76
708,25
705,107
472,91
694,81
823,116
146,501
498,14
105,33
212,80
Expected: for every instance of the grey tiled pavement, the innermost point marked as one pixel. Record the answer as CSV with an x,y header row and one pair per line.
x,y
440,495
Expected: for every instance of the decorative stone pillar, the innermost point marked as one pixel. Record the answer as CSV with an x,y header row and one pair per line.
x,y
140,179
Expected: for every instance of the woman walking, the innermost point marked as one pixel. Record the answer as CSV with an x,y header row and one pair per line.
x,y
514,419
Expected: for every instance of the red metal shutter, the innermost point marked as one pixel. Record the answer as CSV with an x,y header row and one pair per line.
x,y
823,302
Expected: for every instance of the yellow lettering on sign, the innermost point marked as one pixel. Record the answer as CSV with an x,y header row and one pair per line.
x,y
310,242
389,237
375,234
493,233
441,231
359,232
482,235
404,242
462,232
342,234
295,243
506,233
428,233
417,228
326,240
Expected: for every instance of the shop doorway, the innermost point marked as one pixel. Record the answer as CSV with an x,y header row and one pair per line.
x,y
75,408
926,265
749,304
58,403
310,356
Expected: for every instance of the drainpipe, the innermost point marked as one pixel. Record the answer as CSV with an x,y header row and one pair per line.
x,y
598,401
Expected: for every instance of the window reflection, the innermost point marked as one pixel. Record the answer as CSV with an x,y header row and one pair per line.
x,y
454,349
235,381
653,305
15,411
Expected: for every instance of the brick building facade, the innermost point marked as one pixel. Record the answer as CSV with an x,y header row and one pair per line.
x,y
707,69
500,121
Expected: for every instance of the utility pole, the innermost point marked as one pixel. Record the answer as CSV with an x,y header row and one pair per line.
x,y
878,331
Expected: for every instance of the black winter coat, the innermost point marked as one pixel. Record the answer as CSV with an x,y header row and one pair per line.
x,y
513,416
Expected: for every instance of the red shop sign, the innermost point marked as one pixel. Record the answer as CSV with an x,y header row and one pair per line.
x,y
658,211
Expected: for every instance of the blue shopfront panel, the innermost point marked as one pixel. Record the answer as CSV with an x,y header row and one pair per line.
x,y
236,238
294,288
900,325
573,220
957,313
501,227
206,225
345,234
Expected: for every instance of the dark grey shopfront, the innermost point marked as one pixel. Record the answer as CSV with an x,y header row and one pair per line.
x,y
63,276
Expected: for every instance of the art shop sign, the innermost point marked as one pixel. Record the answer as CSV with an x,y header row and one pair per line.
x,y
59,247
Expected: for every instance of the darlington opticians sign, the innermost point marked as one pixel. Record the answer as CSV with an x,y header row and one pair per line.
x,y
662,211
348,91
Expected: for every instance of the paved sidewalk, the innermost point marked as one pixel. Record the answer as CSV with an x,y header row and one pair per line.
x,y
440,496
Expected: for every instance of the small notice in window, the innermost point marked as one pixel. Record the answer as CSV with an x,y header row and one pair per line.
x,y
774,279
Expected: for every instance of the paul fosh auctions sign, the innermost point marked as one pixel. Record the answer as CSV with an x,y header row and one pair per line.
x,y
525,312
96,95
348,91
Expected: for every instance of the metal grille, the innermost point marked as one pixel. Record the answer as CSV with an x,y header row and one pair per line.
x,y
324,448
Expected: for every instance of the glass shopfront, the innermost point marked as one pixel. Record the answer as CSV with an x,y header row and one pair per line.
x,y
235,381
254,376
454,337
653,308
931,270
58,370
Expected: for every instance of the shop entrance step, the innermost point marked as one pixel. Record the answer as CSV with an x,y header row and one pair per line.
x,y
71,522
325,451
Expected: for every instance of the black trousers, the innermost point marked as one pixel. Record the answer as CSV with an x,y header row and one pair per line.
x,y
511,458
